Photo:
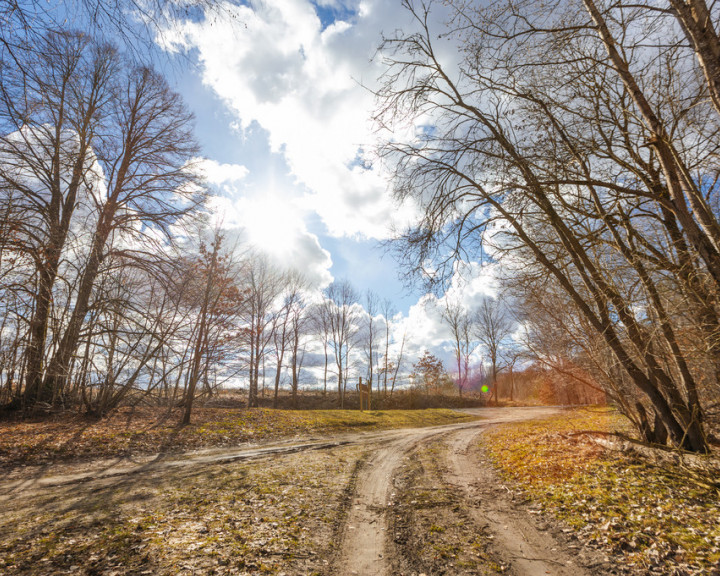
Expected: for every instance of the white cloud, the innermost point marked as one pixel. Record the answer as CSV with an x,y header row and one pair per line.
x,y
267,221
424,327
273,62
217,173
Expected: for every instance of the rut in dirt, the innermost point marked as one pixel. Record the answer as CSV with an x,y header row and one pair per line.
x,y
364,538
515,541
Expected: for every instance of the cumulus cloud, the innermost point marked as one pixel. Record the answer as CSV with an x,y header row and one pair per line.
x,y
278,64
301,71
219,174
424,328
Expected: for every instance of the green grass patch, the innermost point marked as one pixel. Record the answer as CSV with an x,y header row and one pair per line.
x,y
654,518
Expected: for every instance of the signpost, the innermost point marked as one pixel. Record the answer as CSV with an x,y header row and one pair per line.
x,y
364,390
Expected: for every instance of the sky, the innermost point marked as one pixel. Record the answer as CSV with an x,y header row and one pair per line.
x,y
282,94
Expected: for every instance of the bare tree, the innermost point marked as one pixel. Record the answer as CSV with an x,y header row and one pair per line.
x,y
263,285
287,329
97,154
151,182
320,321
398,363
582,184
388,311
217,303
493,329
342,315
52,106
372,302
299,325
464,343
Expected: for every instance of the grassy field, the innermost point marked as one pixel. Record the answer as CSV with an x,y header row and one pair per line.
x,y
126,432
657,519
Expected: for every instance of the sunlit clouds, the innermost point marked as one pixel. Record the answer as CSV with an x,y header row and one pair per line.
x,y
278,64
304,73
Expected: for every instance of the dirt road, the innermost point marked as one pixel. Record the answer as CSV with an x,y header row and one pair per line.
x,y
396,502
518,546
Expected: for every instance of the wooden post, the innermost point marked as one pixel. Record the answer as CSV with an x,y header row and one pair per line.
x,y
364,394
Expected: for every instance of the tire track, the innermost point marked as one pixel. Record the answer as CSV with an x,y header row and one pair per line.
x,y
516,540
364,541
364,549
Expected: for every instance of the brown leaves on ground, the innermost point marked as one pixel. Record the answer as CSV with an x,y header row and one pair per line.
x,y
270,517
150,430
650,519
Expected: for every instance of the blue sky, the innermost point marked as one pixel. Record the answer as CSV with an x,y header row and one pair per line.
x,y
361,260
282,93
292,46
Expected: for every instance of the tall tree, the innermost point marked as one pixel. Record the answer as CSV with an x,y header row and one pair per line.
x,y
372,302
99,157
54,103
388,311
342,315
263,286
591,184
147,160
493,329
212,286
464,343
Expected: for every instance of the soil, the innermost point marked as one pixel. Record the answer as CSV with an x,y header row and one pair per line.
x,y
413,501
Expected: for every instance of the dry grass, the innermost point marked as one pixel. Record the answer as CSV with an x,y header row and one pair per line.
x,y
432,530
654,520
144,431
272,516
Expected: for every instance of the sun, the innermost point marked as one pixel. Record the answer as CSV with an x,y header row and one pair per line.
x,y
272,224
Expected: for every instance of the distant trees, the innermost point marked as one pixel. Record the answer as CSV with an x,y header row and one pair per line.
x,y
388,311
372,303
211,289
342,318
263,285
493,327
461,325
429,374
299,330
587,160
487,327
288,330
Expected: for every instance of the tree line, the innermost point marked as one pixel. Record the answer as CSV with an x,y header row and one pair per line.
x,y
113,286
